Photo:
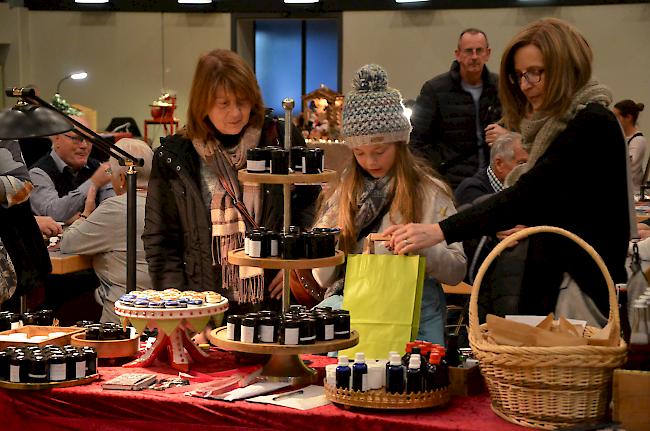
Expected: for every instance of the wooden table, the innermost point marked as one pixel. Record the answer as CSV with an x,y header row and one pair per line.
x,y
67,263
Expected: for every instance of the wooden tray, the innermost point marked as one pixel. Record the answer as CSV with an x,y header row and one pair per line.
x,y
380,399
238,257
33,330
296,178
218,337
50,385
109,348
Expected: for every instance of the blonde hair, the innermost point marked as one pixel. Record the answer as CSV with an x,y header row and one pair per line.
x,y
567,68
225,69
412,178
136,148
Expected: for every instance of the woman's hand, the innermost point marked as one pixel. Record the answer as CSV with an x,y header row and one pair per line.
x,y
48,226
492,133
413,236
276,285
501,235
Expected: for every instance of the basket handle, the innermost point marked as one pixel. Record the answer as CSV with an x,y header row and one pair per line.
x,y
474,327
369,243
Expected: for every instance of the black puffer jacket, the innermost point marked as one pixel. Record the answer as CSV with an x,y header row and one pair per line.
x,y
177,232
444,123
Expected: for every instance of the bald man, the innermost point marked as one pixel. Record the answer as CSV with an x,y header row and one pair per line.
x,y
63,178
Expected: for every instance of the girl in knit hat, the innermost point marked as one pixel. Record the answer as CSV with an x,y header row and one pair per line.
x,y
384,184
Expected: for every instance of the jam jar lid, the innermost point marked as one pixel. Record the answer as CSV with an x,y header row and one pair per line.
x,y
290,323
249,321
234,318
268,320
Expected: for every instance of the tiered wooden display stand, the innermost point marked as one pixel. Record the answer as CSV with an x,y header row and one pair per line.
x,y
285,363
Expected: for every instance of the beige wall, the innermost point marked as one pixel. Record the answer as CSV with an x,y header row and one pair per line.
x,y
130,57
417,45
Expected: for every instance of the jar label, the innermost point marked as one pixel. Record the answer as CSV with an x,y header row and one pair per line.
x,y
14,373
230,331
80,369
304,165
274,247
266,333
346,333
291,336
57,372
247,334
313,337
16,325
256,165
329,332
255,248
247,243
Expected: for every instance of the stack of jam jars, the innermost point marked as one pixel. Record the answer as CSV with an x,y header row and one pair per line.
x,y
277,160
292,244
297,326
105,331
47,364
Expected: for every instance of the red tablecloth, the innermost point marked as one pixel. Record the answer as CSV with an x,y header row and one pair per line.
x,y
91,408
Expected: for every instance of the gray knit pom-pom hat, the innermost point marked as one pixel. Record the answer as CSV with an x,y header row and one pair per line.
x,y
372,112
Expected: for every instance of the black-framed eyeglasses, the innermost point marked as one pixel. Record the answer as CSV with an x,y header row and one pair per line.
x,y
533,76
470,51
74,138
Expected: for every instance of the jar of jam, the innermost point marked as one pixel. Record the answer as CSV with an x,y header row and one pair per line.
x,y
297,153
255,247
233,327
93,332
290,246
38,369
90,356
19,368
4,365
16,320
268,329
57,367
313,161
256,160
249,329
342,324
307,330
280,162
324,326
289,332
44,318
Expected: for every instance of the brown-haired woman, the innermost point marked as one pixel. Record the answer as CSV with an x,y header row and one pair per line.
x,y
191,222
627,111
575,176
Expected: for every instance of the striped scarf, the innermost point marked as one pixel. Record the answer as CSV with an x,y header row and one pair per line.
x,y
241,284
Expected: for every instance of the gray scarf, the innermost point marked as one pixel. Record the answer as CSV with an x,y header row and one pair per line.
x,y
539,132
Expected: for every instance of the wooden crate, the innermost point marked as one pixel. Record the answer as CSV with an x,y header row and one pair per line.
x,y
631,398
465,381
32,330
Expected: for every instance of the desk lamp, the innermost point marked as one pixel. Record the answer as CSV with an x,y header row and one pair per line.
x,y
33,117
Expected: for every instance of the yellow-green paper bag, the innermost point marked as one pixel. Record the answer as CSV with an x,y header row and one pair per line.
x,y
384,294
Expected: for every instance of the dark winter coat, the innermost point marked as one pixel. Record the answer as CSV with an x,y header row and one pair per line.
x,y
177,232
586,159
444,123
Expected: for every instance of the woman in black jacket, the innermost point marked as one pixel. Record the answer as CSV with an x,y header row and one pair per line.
x,y
575,177
191,221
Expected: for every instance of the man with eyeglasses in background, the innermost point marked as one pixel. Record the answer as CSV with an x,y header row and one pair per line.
x,y
67,182
454,109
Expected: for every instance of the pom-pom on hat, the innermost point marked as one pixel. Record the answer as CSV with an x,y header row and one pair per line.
x,y
372,112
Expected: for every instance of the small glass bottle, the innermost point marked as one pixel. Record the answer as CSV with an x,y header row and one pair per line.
x,y
343,373
268,329
19,368
233,327
290,332
307,332
359,373
57,367
341,325
395,375
414,375
38,369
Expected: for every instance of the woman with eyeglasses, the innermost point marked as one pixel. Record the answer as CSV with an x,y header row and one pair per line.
x,y
575,177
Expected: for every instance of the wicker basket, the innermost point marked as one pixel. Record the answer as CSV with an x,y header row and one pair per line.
x,y
546,387
380,399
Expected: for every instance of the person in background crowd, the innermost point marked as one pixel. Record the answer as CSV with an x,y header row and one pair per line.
x,y
505,154
62,179
101,232
191,220
385,184
627,111
19,230
453,110
572,138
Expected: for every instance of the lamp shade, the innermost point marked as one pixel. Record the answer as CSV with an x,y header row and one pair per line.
x,y
29,121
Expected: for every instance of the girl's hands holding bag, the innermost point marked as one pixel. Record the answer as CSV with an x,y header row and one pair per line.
x,y
413,236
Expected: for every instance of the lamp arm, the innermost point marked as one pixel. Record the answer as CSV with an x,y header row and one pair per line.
x,y
58,86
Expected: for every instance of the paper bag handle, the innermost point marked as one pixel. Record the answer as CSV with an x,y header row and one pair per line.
x,y
369,244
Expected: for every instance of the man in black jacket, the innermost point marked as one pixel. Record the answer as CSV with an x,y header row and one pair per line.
x,y
454,108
